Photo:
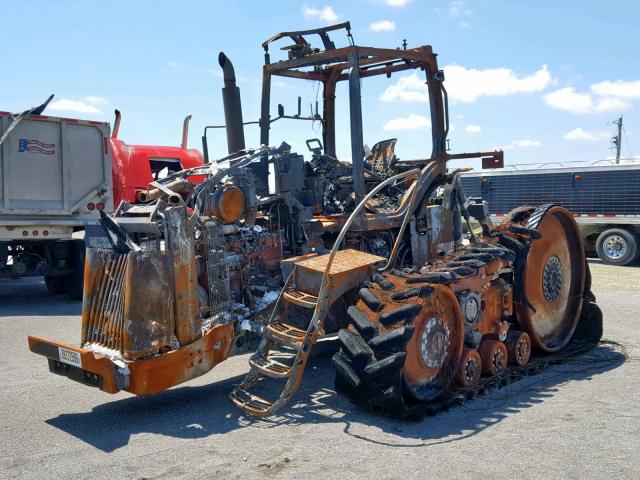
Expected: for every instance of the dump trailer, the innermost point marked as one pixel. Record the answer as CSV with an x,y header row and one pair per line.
x,y
370,252
604,199
55,176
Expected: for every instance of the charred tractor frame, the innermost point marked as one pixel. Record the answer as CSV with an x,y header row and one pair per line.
x,y
372,250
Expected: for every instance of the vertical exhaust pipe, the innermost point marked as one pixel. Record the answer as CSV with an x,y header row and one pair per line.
x,y
232,106
116,125
185,131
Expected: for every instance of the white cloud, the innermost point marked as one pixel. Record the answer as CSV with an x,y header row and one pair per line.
x,y
619,88
468,84
407,89
397,3
457,8
569,100
611,104
584,135
382,26
326,14
96,100
412,122
83,105
521,144
473,129
457,11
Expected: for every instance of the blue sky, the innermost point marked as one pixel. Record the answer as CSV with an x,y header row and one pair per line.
x,y
542,79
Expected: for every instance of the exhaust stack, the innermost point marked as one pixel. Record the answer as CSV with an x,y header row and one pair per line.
x,y
232,106
116,124
185,131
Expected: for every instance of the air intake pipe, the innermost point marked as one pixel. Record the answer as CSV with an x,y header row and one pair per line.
x,y
232,106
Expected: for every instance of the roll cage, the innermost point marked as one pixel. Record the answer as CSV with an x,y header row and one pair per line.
x,y
331,65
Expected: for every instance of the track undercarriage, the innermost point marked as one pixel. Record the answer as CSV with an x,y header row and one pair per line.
x,y
421,338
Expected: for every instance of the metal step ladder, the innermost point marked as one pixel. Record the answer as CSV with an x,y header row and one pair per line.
x,y
344,270
315,283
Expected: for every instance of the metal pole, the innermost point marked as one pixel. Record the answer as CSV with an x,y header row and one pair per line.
x,y
618,139
355,110
266,100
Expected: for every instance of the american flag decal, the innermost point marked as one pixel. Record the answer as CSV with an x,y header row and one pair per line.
x,y
35,146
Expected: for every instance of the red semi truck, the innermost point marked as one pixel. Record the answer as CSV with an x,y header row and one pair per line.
x,y
56,174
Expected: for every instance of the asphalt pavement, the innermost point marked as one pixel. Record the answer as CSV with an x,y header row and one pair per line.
x,y
575,420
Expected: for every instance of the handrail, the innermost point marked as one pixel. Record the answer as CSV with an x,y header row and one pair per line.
x,y
325,277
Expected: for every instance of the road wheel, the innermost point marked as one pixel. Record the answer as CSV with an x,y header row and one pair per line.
x,y
617,246
74,283
494,357
518,347
470,368
55,285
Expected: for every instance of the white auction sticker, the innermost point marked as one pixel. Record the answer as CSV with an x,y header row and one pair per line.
x,y
70,357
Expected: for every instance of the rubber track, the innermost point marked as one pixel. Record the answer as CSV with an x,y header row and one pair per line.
x,y
385,394
391,402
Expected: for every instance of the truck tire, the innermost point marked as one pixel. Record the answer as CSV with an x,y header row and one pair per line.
x,y
617,246
74,282
55,285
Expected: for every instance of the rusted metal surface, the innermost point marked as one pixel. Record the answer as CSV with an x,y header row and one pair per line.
x,y
95,364
176,186
149,319
187,309
128,302
144,376
555,261
349,269
438,341
228,204
177,366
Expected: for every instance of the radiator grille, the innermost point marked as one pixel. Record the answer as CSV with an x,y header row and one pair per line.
x,y
105,305
217,273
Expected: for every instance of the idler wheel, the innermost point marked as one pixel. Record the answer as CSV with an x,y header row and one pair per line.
x,y
494,356
552,281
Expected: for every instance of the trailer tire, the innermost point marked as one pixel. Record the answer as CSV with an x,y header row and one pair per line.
x,y
617,246
55,285
74,283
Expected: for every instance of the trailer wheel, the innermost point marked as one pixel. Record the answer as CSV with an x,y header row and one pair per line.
x,y
55,285
617,246
74,282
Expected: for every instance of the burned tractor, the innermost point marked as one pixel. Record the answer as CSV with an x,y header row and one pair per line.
x,y
373,251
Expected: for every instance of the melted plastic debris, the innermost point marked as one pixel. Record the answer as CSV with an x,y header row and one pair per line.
x,y
241,311
267,299
217,318
114,355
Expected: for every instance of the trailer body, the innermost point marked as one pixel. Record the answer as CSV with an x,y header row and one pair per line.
x,y
605,201
55,176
